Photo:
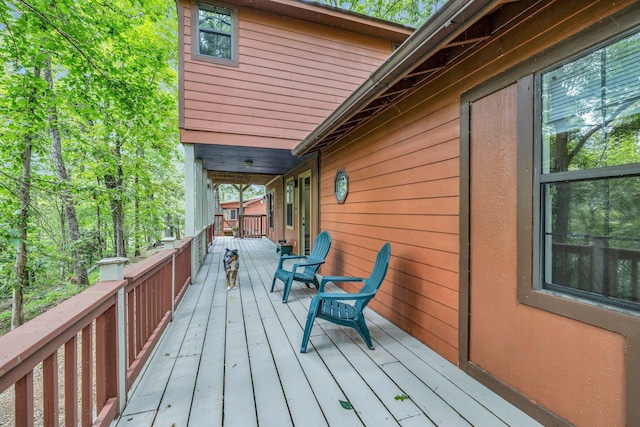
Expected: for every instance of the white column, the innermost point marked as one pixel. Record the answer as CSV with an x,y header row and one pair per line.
x,y
198,195
209,201
205,199
189,190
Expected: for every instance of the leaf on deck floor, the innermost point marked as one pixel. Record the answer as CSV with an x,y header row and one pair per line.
x,y
345,404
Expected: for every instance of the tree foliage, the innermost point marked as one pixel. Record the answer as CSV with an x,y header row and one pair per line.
x,y
102,76
412,13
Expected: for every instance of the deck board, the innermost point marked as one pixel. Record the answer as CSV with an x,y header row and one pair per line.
x,y
232,358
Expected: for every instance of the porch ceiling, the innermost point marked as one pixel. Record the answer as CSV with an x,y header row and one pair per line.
x,y
228,164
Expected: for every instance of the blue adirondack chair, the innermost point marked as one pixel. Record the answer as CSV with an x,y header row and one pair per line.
x,y
330,306
305,270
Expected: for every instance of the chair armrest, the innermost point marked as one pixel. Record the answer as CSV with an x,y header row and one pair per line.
x,y
305,264
334,279
341,296
289,257
286,257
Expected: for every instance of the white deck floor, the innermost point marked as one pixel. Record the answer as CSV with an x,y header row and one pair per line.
x,y
232,358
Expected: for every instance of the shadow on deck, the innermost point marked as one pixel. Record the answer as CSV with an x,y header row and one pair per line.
x,y
232,358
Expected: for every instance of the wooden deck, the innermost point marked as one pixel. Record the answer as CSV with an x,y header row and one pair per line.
x,y
232,358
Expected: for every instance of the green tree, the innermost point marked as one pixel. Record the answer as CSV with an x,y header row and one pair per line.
x,y
88,104
412,13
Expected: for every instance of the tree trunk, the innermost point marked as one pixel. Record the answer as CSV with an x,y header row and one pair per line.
x,y
67,202
22,252
136,219
114,184
99,227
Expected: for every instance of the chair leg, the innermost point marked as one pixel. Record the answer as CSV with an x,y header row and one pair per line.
x,y
313,311
362,329
287,289
273,284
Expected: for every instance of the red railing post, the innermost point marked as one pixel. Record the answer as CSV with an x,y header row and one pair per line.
x,y
87,376
50,390
71,382
106,358
24,400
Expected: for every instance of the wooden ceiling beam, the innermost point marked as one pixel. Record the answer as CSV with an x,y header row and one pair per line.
x,y
239,178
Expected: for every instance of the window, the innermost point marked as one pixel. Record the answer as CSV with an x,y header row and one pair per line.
x,y
289,201
216,32
588,177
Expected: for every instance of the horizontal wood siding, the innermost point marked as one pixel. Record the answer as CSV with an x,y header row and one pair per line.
x,y
403,188
404,181
291,75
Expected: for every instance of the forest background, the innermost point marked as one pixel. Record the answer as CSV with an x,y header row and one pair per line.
x,y
90,159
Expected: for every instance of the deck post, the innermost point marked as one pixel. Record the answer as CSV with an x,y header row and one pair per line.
x,y
122,350
189,190
170,243
113,269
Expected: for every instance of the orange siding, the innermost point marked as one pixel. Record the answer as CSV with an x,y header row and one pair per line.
x,y
528,348
404,188
291,75
404,182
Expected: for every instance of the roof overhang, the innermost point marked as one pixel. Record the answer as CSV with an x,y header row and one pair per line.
x,y
442,40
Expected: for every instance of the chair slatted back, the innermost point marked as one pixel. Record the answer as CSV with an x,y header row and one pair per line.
x,y
377,276
321,245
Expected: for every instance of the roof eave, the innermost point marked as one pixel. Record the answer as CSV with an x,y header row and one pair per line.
x,y
427,40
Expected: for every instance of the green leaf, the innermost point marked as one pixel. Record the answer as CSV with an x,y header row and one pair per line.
x,y
402,397
345,404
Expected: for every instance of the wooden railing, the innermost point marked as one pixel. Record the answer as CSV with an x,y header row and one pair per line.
x,y
253,226
110,329
218,225
210,233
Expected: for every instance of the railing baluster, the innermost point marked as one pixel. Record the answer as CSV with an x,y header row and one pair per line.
x,y
101,363
87,376
71,382
139,315
50,390
24,400
131,323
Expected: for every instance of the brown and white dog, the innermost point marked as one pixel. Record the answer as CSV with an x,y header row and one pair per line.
x,y
231,265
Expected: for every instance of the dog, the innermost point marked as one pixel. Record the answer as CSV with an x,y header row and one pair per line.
x,y
231,265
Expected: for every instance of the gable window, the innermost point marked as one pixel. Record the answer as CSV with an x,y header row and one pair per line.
x,y
216,29
289,201
588,178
